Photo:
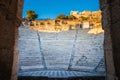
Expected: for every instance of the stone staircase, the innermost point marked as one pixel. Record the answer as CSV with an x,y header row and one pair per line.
x,y
73,50
29,52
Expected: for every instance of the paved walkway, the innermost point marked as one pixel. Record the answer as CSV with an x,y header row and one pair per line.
x,y
73,50
60,74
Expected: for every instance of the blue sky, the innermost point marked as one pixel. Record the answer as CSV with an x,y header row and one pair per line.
x,y
51,8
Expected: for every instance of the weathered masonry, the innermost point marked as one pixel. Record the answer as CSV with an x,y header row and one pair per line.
x,y
10,15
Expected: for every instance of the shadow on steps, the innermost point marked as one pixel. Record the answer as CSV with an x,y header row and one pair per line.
x,y
70,78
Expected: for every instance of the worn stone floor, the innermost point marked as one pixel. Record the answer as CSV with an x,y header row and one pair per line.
x,y
56,54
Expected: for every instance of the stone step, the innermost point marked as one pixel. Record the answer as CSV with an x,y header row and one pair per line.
x,y
53,57
59,74
83,68
56,49
29,63
30,68
57,63
27,34
57,67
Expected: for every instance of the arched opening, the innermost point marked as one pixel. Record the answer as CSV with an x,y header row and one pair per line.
x,y
10,14
42,52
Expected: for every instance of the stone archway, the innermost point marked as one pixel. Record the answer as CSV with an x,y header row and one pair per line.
x,y
10,16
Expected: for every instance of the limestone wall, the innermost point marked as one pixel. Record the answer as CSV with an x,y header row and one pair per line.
x,y
59,25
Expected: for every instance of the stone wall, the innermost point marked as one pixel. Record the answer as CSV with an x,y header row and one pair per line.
x,y
61,25
115,33
111,24
8,39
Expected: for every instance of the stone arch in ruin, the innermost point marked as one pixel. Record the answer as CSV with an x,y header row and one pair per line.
x,y
10,18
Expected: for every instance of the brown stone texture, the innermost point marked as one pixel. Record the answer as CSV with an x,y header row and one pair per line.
x,y
111,24
8,39
115,33
107,41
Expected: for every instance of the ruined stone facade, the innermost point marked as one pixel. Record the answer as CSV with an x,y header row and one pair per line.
x,y
86,13
92,18
56,25
9,20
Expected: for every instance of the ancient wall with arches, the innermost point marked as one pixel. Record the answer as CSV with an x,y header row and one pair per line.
x,y
10,14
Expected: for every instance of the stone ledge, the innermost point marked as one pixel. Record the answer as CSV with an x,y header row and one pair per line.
x,y
62,75
71,78
29,68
